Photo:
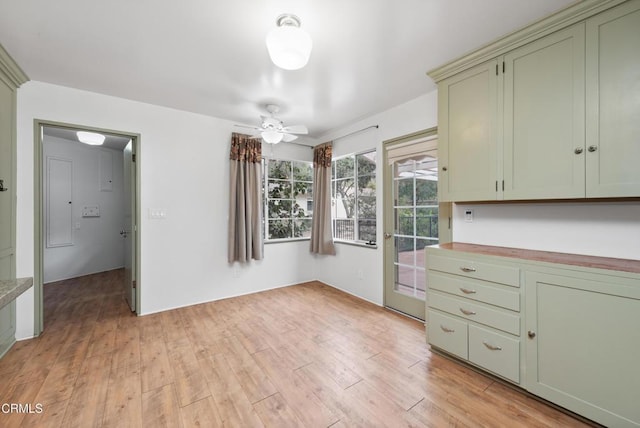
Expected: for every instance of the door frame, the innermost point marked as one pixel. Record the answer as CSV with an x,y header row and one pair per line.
x,y
444,210
38,217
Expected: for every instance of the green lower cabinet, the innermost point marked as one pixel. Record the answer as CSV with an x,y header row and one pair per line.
x,y
583,345
7,327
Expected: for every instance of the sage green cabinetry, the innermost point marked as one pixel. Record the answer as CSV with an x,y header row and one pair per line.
x,y
583,344
567,332
613,102
10,78
552,114
468,134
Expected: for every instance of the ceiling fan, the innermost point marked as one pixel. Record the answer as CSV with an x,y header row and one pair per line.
x,y
272,130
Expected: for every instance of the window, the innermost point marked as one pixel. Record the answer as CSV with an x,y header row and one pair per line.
x,y
353,197
288,199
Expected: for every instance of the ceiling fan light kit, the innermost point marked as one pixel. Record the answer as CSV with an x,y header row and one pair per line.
x,y
289,45
271,137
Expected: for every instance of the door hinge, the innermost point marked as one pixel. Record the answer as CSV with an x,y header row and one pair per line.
x,y
496,185
133,157
503,67
496,69
133,284
503,185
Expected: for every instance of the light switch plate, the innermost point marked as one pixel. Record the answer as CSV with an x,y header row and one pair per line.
x,y
91,211
468,216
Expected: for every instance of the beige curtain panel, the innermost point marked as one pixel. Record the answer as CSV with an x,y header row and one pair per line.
x,y
245,201
321,233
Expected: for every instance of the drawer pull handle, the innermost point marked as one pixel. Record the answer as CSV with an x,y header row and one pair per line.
x,y
467,291
492,347
467,312
467,269
447,329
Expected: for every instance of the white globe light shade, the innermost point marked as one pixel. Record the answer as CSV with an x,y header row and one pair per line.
x,y
91,138
289,47
271,137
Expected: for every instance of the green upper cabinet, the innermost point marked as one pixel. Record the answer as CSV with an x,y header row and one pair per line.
x,y
467,134
549,112
544,118
613,102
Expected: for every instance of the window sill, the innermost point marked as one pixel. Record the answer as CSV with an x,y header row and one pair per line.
x,y
279,241
355,244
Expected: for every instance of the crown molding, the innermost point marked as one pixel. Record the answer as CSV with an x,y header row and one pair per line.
x,y
11,69
568,16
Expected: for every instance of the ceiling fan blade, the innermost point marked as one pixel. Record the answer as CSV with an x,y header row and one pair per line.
x,y
287,138
296,129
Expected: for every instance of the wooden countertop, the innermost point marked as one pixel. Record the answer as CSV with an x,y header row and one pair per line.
x,y
624,265
10,289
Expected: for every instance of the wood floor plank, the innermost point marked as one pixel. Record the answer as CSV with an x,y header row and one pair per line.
x,y
189,383
275,412
126,349
86,405
59,384
201,413
155,365
231,401
302,401
52,416
19,394
160,408
123,405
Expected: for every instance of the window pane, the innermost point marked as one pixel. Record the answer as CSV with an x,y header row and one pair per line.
x,y
404,192
279,169
302,189
279,189
405,279
344,229
302,228
420,244
367,185
279,208
404,250
426,192
302,171
404,221
280,229
345,167
366,163
427,222
367,230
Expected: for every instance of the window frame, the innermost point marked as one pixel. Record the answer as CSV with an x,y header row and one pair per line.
x,y
334,179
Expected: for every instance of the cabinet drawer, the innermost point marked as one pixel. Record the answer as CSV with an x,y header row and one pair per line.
x,y
465,308
495,352
447,333
508,275
475,290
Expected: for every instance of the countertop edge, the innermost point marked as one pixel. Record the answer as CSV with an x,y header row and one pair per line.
x,y
10,289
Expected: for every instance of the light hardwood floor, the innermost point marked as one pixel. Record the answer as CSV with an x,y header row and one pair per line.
x,y
301,356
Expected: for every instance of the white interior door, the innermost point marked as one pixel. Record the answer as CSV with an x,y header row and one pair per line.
x,y
129,229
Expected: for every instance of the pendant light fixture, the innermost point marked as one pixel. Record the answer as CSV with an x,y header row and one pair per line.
x,y
91,138
289,45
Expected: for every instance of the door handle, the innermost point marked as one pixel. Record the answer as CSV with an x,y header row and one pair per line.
x,y
124,233
388,235
2,188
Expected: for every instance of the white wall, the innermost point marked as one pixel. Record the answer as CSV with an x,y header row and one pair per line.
x,y
97,244
607,229
342,270
183,167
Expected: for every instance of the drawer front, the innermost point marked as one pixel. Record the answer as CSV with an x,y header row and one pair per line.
x,y
495,352
475,290
496,318
508,275
447,333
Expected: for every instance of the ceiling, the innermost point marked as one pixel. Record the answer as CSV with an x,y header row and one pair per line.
x,y
209,56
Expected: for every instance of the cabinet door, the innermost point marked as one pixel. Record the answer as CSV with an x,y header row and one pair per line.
x,y
467,135
585,352
613,102
544,118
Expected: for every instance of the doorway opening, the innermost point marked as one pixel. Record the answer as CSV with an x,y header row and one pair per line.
x,y
86,234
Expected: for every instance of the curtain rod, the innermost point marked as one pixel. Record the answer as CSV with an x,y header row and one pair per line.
x,y
356,132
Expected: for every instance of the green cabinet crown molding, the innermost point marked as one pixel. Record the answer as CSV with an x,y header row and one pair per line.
x,y
11,69
561,19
